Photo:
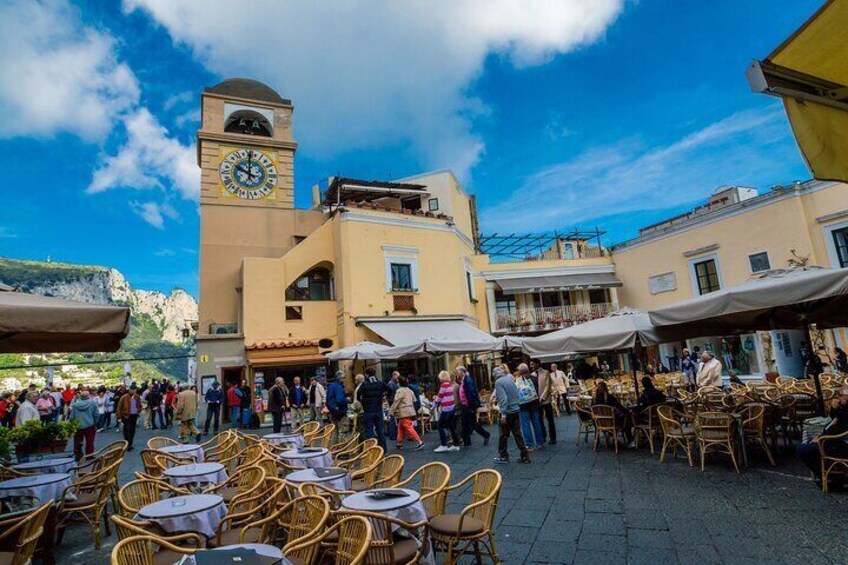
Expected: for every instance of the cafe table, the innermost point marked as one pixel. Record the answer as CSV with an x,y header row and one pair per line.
x,y
335,478
184,451
199,513
268,554
40,488
295,440
308,457
55,465
196,474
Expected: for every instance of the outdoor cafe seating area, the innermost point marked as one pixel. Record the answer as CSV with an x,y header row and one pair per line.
x,y
746,424
306,497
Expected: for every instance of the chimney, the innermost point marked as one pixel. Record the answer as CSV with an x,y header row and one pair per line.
x,y
316,196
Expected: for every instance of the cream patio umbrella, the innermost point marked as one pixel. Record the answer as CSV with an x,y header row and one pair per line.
x,y
780,299
809,71
31,323
363,351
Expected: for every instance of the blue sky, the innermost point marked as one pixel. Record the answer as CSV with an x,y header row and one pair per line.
x,y
557,115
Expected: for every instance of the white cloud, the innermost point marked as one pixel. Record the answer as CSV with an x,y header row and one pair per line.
x,y
164,252
58,75
181,98
747,148
364,74
149,159
6,233
154,213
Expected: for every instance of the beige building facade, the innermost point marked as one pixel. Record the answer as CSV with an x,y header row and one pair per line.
x,y
395,261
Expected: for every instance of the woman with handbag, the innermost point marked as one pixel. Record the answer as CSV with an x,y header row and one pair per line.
x,y
528,398
403,409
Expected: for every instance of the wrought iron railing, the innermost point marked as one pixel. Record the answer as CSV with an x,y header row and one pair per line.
x,y
550,317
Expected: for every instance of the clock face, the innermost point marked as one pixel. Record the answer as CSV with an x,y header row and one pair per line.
x,y
248,174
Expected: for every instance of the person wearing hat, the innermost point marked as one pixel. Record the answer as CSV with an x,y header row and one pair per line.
x,y
214,398
337,404
129,408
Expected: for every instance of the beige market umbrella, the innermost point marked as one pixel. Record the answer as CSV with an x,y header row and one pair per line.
x,y
363,351
780,299
41,324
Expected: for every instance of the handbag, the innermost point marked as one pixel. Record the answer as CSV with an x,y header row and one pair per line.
x,y
526,391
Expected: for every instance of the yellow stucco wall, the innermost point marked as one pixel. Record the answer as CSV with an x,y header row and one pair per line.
x,y
787,223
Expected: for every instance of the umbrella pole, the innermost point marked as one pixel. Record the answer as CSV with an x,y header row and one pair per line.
x,y
812,351
633,368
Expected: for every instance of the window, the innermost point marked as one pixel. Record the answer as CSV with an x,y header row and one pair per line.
x,y
469,281
598,296
317,284
706,276
433,204
568,251
401,276
294,312
223,329
505,303
759,262
840,244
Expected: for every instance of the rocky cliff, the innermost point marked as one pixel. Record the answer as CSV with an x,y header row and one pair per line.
x,y
171,313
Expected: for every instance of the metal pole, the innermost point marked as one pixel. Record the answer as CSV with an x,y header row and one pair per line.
x,y
819,395
633,368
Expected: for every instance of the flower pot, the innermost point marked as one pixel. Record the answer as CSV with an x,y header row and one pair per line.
x,y
25,452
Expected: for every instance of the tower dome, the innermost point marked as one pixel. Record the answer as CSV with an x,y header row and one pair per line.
x,y
248,88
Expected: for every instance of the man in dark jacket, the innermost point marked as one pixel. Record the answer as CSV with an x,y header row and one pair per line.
x,y
337,404
214,399
469,402
372,392
810,452
298,400
277,403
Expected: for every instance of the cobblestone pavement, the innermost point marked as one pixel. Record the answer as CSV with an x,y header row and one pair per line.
x,y
574,506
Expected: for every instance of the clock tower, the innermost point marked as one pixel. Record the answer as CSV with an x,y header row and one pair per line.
x,y
246,152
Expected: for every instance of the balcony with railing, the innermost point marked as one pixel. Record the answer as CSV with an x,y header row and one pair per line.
x,y
548,318
543,246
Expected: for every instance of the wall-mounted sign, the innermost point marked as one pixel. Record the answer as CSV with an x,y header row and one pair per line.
x,y
666,282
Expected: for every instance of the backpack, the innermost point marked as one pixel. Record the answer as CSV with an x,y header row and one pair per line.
x,y
526,391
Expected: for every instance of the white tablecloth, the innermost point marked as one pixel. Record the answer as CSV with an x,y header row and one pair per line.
x,y
291,439
58,465
196,474
40,487
295,458
260,549
199,513
408,509
339,482
184,451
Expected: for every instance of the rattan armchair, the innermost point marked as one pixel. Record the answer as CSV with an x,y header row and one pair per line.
x,y
387,474
307,428
297,520
716,434
134,495
344,444
433,479
321,438
20,534
245,482
585,421
646,424
352,537
160,442
754,428
832,463
142,550
354,450
127,528
675,433
85,502
471,529
240,525
608,425
385,547
154,468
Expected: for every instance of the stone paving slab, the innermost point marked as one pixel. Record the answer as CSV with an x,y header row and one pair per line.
x,y
573,506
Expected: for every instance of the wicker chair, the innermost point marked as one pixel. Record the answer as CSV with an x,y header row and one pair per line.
x,y
831,463
127,528
245,482
20,534
647,424
134,495
715,431
385,547
367,458
307,428
344,444
242,522
354,450
352,535
140,550
584,418
88,505
387,474
472,527
607,425
160,442
433,478
754,428
297,520
675,434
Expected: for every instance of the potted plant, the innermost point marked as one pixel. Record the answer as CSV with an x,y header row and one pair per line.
x,y
5,446
34,438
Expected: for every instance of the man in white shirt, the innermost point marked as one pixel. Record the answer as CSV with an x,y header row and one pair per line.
x,y
27,411
709,372
559,384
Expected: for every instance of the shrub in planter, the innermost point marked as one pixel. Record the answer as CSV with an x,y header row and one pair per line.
x,y
35,437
